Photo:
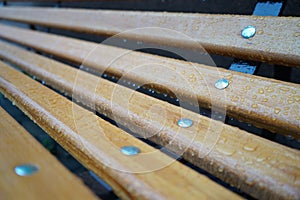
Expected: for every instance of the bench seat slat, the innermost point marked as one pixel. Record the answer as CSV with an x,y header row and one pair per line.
x,y
52,181
94,91
96,144
218,34
266,103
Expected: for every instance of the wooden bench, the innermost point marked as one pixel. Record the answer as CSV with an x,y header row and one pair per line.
x,y
30,173
73,104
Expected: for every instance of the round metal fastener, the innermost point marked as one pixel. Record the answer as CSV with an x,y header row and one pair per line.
x,y
221,84
26,170
185,123
248,32
130,150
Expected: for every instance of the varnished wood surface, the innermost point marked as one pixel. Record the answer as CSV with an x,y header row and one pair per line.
x,y
266,103
52,181
276,39
96,144
246,161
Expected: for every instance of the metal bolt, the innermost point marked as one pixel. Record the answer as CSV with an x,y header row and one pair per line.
x,y
26,170
130,150
221,84
185,123
248,32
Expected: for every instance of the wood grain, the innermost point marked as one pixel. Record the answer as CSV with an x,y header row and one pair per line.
x,y
245,161
220,34
52,181
266,103
96,144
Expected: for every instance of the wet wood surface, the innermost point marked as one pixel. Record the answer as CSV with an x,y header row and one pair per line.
x,y
266,103
254,164
96,144
276,39
51,181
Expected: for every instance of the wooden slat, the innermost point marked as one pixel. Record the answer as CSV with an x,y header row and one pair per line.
x,y
266,103
220,34
251,163
52,181
96,143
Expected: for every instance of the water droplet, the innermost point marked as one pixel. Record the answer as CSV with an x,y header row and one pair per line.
x,y
254,97
250,147
260,32
185,123
26,170
248,32
226,150
277,110
284,89
255,106
265,100
221,169
221,84
268,89
130,150
297,34
260,159
43,82
260,91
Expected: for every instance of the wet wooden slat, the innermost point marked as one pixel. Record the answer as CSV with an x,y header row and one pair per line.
x,y
237,157
52,181
276,40
96,144
266,103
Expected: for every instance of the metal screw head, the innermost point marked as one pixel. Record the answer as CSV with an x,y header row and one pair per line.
x,y
248,32
221,84
185,123
130,150
26,170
